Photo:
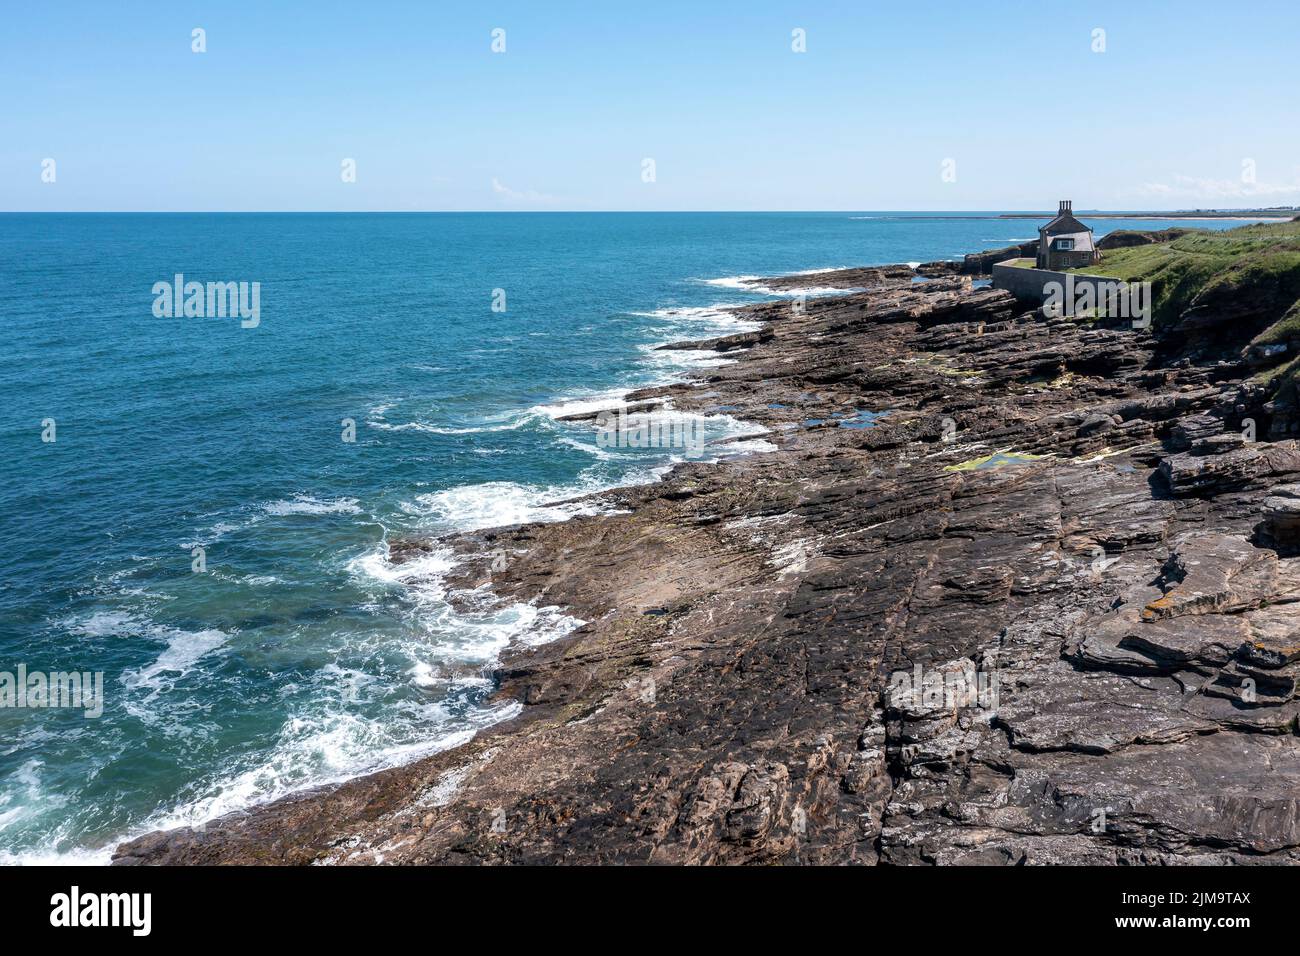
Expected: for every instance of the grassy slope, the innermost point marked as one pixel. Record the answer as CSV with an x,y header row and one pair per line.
x,y
1250,276
1211,267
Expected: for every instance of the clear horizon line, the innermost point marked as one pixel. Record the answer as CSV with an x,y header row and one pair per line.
x,y
542,212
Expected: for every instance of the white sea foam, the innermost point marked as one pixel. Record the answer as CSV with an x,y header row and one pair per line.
x,y
424,674
582,404
695,313
327,740
753,446
307,505
717,319
495,504
101,624
474,636
684,358
317,750
755,284
589,448
250,516
434,429
214,534
427,569
50,857
743,283
184,650
506,421
502,503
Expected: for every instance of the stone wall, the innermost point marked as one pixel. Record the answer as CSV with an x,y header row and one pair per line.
x,y
1031,284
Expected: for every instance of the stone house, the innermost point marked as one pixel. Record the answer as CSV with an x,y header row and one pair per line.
x,y
1065,243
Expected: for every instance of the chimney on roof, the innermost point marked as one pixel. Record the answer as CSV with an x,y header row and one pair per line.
x,y
1067,205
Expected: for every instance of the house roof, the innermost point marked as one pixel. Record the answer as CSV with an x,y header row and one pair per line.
x,y
1064,222
1082,240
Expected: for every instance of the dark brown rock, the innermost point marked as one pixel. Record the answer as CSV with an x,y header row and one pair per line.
x,y
1047,507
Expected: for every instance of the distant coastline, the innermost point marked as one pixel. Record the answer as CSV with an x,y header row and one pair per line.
x,y
1187,215
1278,213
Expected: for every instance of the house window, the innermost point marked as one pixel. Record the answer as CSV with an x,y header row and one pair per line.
x,y
1064,245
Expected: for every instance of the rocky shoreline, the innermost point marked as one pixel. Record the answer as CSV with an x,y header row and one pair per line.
x,y
1073,513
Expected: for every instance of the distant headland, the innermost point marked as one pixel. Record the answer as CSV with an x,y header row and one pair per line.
x,y
1273,212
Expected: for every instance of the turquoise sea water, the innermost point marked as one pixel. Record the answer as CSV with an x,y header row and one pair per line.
x,y
300,655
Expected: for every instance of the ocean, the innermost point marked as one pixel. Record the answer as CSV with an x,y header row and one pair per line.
x,y
201,531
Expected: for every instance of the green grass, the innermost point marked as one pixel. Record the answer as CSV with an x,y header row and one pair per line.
x,y
1211,269
1246,279
1284,329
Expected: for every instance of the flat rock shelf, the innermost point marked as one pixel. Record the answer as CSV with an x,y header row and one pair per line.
x,y
1070,510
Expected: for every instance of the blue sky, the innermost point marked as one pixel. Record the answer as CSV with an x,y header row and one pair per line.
x,y
1184,94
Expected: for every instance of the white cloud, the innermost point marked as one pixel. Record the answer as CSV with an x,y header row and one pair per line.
x,y
1215,190
507,194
